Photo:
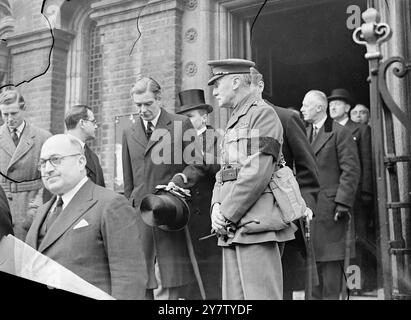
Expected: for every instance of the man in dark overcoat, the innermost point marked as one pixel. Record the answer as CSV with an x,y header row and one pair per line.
x,y
339,173
208,254
340,102
159,148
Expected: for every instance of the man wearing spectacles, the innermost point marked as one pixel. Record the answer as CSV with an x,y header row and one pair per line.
x,y
20,144
90,230
82,125
360,114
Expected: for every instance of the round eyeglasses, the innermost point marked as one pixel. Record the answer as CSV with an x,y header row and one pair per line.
x,y
54,160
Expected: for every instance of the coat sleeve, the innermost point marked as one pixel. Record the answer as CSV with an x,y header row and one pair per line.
x,y
128,271
6,226
255,173
127,168
366,160
304,159
350,169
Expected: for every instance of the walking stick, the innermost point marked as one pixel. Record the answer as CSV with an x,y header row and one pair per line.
x,y
194,263
308,275
346,256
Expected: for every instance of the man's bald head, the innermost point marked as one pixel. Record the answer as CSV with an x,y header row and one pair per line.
x,y
62,163
63,142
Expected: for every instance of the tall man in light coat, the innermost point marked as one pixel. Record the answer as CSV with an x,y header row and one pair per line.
x,y
154,154
88,229
20,145
339,173
242,199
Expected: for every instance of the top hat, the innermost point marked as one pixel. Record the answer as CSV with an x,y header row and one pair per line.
x,y
340,94
220,68
193,99
164,210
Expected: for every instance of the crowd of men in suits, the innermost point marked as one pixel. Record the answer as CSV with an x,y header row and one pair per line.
x,y
53,193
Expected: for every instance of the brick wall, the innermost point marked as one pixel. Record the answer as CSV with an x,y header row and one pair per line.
x,y
157,53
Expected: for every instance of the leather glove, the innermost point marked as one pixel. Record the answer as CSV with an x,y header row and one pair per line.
x,y
341,211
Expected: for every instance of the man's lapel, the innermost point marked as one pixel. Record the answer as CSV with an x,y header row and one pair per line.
x,y
41,215
164,123
6,143
78,206
322,137
139,133
25,144
90,161
352,126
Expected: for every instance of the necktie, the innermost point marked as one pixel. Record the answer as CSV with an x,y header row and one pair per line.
x,y
149,130
53,215
15,137
315,132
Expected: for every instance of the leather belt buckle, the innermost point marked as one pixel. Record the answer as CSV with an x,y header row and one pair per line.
x,y
229,174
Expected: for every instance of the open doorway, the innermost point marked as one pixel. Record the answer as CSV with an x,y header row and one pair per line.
x,y
309,47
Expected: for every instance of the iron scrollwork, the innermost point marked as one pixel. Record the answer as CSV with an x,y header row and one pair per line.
x,y
400,70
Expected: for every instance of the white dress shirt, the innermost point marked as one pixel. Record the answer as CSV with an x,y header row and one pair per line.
x,y
68,196
154,121
19,129
319,124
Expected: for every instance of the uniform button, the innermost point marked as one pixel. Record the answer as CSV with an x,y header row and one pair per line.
x,y
11,169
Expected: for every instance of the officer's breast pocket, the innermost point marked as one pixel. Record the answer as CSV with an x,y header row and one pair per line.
x,y
237,143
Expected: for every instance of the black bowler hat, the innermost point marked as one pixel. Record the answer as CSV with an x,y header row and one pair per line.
x,y
340,94
164,210
193,99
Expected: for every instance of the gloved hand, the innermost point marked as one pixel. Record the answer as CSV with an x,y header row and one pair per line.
x,y
174,189
218,221
341,211
308,214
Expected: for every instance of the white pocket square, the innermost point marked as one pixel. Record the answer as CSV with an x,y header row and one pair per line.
x,y
83,223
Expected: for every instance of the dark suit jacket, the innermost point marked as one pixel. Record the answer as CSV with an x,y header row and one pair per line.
x,y
298,154
6,226
147,164
107,252
207,252
362,136
94,171
339,173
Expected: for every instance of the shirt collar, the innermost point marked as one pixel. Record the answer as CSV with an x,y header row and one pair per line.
x,y
68,196
343,122
79,140
20,128
201,131
320,123
154,121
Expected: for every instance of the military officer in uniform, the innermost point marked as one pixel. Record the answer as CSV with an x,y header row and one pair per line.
x,y
242,204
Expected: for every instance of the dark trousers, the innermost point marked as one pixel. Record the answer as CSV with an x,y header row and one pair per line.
x,y
330,277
